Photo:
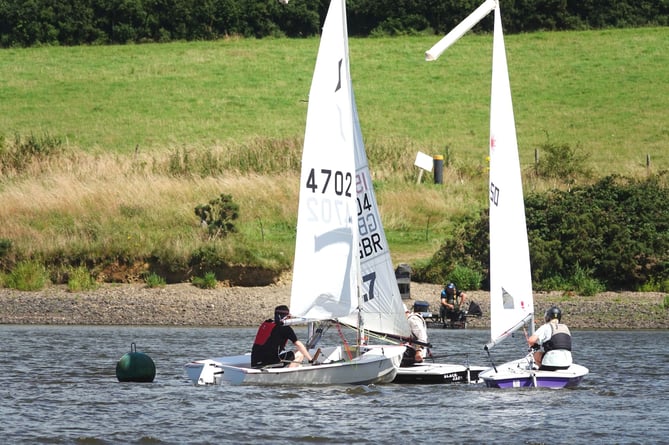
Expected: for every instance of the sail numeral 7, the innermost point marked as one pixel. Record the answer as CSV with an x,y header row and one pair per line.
x,y
494,194
340,182
371,278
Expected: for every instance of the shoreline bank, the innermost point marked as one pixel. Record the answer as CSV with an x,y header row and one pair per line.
x,y
186,305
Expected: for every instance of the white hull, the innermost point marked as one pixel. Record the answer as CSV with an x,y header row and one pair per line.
x,y
434,373
375,365
518,374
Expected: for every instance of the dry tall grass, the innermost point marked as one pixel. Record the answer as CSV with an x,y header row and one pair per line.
x,y
87,206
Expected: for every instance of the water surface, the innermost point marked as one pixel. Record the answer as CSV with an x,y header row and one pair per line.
x,y
59,386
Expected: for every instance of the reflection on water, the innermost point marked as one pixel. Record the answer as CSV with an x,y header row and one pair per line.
x,y
59,386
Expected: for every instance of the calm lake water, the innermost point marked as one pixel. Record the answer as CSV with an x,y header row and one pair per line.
x,y
59,386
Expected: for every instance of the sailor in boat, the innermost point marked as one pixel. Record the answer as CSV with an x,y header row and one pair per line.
x,y
452,300
555,339
414,353
270,343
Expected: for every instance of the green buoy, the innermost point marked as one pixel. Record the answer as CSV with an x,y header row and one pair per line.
x,y
135,367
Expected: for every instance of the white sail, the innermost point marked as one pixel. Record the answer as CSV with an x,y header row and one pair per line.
x,y
342,259
511,299
381,303
325,267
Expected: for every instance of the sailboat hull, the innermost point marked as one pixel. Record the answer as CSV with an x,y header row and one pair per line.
x,y
437,373
516,374
376,365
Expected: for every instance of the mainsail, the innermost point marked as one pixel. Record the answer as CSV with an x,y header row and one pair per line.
x,y
325,267
342,266
511,302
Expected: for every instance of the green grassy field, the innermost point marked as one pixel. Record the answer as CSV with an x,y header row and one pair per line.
x,y
124,111
604,90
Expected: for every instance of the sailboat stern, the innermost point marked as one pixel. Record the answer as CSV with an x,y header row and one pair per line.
x,y
204,372
518,374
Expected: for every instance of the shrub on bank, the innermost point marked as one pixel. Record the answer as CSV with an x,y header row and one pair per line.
x,y
208,281
28,276
613,234
80,279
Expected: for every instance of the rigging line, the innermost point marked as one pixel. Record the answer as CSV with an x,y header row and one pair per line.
x,y
396,338
317,335
490,357
347,348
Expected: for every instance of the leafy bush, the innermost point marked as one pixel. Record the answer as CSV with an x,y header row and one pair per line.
x,y
468,247
617,229
218,215
654,285
79,279
28,276
207,282
613,234
561,161
154,280
465,277
584,284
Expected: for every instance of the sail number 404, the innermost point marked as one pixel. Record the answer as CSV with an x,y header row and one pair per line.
x,y
337,181
494,194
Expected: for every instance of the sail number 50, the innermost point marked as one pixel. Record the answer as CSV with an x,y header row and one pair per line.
x,y
494,194
340,182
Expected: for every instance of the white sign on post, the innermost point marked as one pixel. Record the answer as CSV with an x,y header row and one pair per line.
x,y
424,162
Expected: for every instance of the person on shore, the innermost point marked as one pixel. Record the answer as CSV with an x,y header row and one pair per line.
x,y
452,300
414,352
270,342
555,339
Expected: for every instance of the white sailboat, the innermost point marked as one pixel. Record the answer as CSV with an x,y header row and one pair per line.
x,y
342,269
511,298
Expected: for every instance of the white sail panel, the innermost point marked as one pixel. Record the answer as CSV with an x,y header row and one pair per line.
x,y
381,302
326,266
510,278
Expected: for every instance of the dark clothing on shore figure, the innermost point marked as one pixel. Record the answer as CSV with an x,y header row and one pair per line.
x,y
451,301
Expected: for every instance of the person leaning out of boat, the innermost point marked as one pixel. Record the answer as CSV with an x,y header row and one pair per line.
x,y
270,342
555,339
452,300
414,352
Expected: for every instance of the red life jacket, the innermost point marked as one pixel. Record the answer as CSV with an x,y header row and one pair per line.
x,y
264,332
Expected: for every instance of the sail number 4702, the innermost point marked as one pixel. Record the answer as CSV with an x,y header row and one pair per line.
x,y
330,181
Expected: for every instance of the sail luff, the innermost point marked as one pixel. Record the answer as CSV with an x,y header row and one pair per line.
x,y
326,263
511,297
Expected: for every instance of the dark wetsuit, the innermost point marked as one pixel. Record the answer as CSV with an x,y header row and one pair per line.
x,y
270,342
448,313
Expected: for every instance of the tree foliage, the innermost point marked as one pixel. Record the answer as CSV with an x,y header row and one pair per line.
x,y
616,230
77,22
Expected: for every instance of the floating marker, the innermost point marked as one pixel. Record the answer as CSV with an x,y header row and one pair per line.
x,y
135,367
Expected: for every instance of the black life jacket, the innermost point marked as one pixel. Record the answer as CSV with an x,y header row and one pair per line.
x,y
264,331
560,338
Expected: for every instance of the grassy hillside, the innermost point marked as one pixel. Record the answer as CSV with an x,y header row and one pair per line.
x,y
151,131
